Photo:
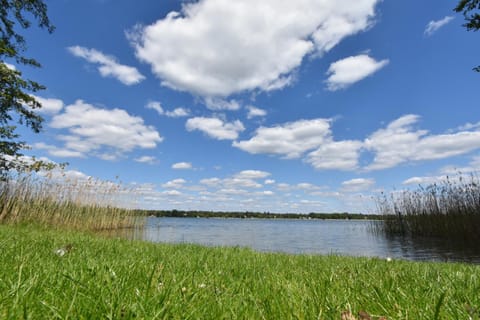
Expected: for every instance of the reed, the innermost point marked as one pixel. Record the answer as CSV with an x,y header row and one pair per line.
x,y
53,199
449,209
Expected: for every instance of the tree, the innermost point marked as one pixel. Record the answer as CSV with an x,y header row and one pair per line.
x,y
17,105
468,7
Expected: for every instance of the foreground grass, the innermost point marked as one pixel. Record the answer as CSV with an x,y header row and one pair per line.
x,y
105,278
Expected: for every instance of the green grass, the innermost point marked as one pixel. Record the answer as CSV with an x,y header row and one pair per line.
x,y
107,278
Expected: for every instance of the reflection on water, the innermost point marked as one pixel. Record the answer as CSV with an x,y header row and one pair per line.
x,y
345,237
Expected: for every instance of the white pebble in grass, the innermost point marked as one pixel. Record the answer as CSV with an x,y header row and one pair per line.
x,y
60,252
63,250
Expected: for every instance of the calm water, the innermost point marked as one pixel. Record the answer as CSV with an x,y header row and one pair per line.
x,y
344,237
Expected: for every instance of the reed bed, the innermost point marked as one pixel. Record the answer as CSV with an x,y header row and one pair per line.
x,y
55,200
449,209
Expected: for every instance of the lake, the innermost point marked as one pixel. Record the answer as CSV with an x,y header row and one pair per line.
x,y
343,237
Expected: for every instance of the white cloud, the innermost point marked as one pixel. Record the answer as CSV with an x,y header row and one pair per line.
x,y
269,181
211,182
244,45
252,174
176,113
307,186
450,173
155,105
346,72
97,130
146,159
71,175
469,126
216,128
339,155
290,140
255,112
399,142
423,180
357,185
58,152
108,65
218,104
267,193
9,66
172,193
182,166
49,105
174,184
238,181
433,26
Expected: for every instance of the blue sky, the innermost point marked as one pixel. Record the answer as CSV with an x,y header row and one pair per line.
x,y
280,106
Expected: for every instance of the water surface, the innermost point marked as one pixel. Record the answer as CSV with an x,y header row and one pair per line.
x,y
344,237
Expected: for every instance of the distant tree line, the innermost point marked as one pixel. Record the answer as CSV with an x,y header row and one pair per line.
x,y
257,215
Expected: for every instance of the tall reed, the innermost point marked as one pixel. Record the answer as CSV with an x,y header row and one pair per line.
x,y
56,200
449,209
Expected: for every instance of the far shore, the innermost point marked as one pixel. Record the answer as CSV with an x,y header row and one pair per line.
x,y
259,215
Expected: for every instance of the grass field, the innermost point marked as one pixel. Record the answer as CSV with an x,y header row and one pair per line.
x,y
58,274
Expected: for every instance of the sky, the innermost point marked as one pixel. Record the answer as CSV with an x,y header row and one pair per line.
x,y
267,106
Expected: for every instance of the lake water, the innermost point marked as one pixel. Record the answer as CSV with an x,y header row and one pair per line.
x,y
344,237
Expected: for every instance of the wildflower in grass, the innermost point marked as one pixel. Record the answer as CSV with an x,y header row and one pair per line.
x,y
389,259
202,285
184,289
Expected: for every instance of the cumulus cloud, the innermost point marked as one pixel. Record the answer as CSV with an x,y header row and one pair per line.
x,y
246,179
175,113
357,185
155,105
216,128
58,152
449,173
182,166
172,193
346,72
100,131
49,105
252,174
255,112
146,159
339,155
218,104
178,113
289,140
174,184
433,25
400,142
108,65
244,45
